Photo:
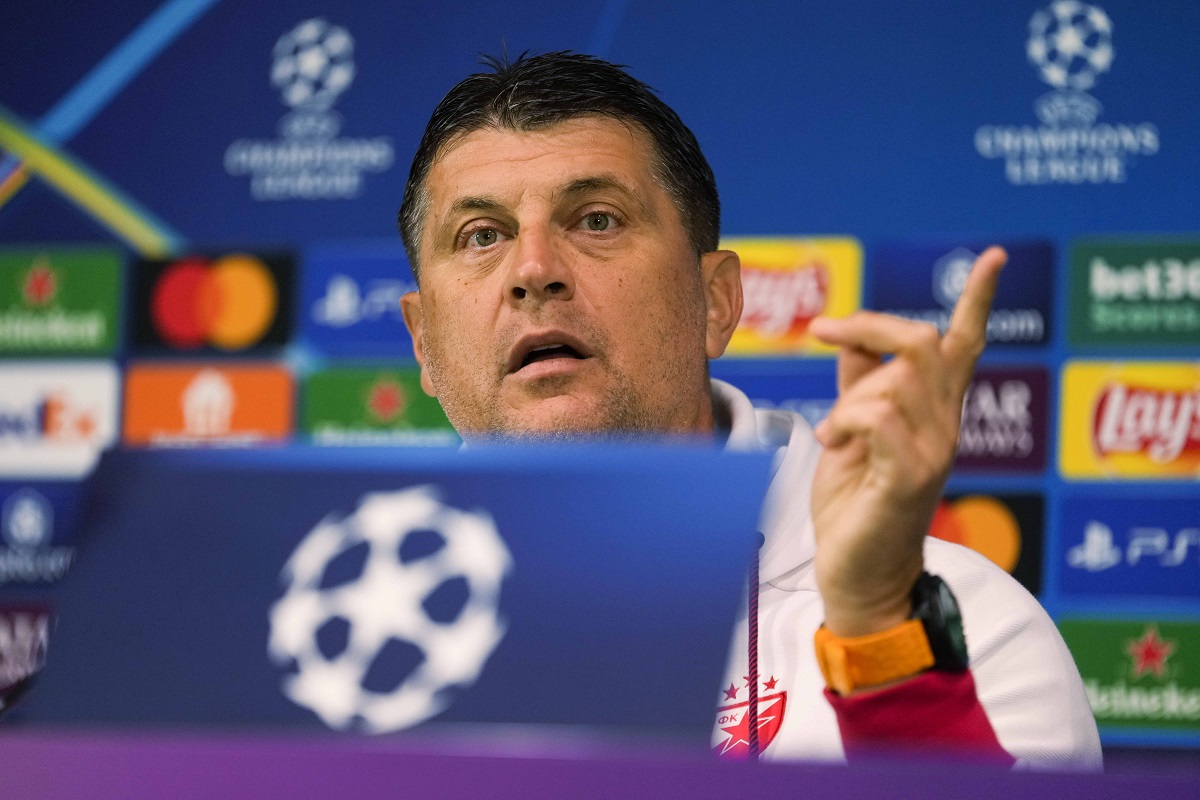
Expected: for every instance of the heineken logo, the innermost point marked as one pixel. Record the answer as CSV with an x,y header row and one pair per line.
x,y
367,406
1138,674
1159,423
59,301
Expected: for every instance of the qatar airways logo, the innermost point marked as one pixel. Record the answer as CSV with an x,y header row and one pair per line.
x,y
1159,423
782,303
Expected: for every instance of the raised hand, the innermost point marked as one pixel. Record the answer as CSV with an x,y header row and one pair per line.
x,y
889,443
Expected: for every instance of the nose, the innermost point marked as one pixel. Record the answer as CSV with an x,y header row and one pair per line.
x,y
539,272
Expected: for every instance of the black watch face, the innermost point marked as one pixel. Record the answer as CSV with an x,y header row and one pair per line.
x,y
944,628
952,623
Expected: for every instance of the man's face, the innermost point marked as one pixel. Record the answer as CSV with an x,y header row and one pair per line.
x,y
558,291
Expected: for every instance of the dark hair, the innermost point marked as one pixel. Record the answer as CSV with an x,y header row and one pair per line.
x,y
544,90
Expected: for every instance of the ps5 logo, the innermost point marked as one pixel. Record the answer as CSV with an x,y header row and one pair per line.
x,y
345,303
1098,552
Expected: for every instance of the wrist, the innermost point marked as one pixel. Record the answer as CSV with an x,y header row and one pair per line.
x,y
930,636
858,613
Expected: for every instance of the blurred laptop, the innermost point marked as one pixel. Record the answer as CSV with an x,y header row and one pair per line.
x,y
423,590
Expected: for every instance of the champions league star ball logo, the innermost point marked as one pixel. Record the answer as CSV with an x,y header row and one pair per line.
x,y
1070,43
388,611
313,64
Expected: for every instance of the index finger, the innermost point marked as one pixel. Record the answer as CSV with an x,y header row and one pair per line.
x,y
967,332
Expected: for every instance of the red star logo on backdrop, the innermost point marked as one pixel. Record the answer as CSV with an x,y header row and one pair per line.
x,y
771,683
731,692
386,400
41,284
734,722
1150,653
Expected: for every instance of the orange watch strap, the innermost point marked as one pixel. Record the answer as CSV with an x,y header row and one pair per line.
x,y
862,661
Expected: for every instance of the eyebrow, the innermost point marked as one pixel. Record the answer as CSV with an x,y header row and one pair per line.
x,y
579,186
606,182
488,204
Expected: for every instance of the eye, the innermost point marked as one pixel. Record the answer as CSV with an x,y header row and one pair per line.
x,y
597,221
484,237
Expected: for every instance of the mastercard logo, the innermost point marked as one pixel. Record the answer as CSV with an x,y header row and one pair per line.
x,y
228,303
983,524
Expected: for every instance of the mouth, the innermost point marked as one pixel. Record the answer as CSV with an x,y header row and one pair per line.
x,y
553,346
548,352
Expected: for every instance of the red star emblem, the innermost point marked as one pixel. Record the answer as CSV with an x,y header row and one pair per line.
x,y
770,717
771,683
41,284
1149,653
731,692
386,400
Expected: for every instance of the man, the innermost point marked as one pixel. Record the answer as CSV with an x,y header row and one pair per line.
x,y
563,226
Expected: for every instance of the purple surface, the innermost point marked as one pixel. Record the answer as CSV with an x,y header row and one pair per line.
x,y
100,766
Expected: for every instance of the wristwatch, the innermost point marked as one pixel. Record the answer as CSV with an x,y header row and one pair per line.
x,y
932,638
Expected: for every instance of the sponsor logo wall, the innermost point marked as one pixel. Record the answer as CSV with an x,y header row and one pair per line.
x,y
58,301
350,301
215,403
1005,420
1139,674
355,405
1021,310
1128,549
35,519
786,283
55,417
229,303
1005,528
1123,420
1079,452
1125,293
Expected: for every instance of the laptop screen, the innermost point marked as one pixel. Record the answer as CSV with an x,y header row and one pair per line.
x,y
405,589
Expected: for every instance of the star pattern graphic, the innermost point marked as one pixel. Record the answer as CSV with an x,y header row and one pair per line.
x,y
731,692
386,400
41,284
1150,653
766,684
739,732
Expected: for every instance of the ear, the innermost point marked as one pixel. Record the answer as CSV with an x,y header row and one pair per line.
x,y
410,306
721,271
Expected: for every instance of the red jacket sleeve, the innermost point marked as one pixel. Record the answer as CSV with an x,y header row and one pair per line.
x,y
935,712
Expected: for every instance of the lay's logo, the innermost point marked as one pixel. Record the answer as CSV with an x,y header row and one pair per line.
x,y
782,303
1131,420
786,283
1161,424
